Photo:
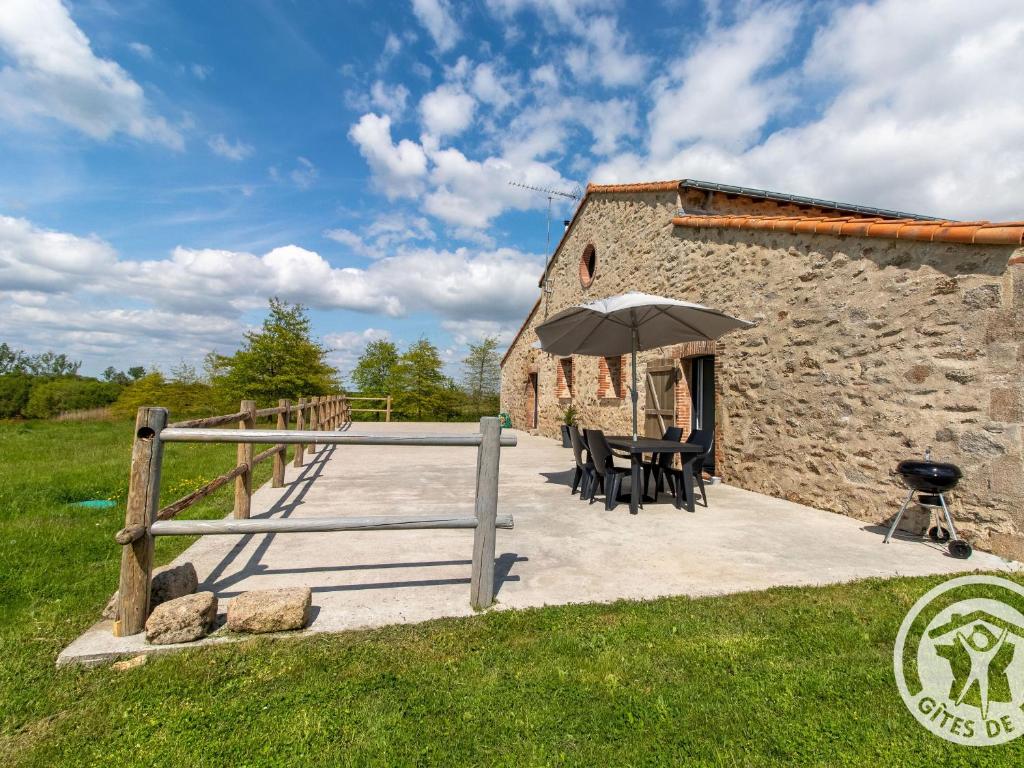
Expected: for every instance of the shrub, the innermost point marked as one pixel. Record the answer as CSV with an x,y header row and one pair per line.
x,y
181,399
14,392
50,397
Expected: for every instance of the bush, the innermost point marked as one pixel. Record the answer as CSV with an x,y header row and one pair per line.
x,y
14,392
51,397
181,399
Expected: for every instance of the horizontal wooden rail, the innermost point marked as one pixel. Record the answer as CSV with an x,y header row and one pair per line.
x,y
209,421
166,513
293,436
228,527
264,455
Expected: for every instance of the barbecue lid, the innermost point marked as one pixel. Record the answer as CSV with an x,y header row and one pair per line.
x,y
936,469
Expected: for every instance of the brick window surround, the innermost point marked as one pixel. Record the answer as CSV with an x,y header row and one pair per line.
x,y
563,380
588,265
611,377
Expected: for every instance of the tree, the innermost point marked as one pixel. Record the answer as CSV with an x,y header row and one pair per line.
x,y
481,377
279,360
136,372
44,364
376,371
425,392
11,360
52,364
117,377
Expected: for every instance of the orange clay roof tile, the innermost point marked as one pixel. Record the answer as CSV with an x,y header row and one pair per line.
x,y
976,232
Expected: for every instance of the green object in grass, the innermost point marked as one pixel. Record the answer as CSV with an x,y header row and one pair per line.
x,y
96,504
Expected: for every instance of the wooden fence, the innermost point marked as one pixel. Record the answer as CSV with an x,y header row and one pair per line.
x,y
327,418
386,410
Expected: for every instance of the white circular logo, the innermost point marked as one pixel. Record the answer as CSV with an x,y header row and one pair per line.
x,y
959,660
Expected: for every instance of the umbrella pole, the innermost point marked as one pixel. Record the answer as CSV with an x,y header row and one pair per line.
x,y
634,393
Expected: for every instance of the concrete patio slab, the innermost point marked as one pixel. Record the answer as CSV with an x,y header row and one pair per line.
x,y
561,551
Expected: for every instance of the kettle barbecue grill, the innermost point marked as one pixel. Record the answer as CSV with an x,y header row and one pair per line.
x,y
930,481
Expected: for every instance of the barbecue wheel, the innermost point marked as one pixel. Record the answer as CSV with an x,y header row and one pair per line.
x,y
937,534
960,549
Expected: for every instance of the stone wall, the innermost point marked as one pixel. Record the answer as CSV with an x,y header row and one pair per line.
x,y
866,351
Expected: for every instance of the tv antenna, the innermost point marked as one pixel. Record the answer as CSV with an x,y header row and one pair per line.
x,y
551,194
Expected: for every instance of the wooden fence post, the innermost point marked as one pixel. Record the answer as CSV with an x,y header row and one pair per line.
x,y
387,414
314,419
143,503
300,423
243,483
481,589
279,457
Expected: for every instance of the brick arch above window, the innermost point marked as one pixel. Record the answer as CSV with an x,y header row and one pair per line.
x,y
588,265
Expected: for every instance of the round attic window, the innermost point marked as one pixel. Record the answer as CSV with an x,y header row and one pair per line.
x,y
588,265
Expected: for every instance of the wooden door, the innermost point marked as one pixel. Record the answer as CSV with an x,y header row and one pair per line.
x,y
532,401
660,404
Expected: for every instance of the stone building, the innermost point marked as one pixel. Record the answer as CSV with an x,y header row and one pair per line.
x,y
878,334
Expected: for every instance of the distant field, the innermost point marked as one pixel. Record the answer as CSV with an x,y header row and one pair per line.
x,y
784,677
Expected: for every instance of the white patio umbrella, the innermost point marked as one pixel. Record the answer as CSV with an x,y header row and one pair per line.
x,y
632,322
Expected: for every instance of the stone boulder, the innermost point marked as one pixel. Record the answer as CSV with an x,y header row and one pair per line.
x,y
182,619
270,610
168,583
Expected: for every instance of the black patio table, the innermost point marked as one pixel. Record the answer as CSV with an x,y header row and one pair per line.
x,y
637,448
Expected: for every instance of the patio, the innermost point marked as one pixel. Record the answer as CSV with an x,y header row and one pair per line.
x,y
562,550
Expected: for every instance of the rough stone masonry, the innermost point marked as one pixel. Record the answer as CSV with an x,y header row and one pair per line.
x,y
866,351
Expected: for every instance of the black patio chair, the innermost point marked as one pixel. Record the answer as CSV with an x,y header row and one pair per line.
x,y
606,474
706,439
584,472
659,462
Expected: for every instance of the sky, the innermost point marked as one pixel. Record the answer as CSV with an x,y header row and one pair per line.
x,y
165,167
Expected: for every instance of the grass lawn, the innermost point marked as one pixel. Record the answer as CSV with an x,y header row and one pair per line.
x,y
784,677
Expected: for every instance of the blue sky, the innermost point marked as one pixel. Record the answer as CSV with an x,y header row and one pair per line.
x,y
168,165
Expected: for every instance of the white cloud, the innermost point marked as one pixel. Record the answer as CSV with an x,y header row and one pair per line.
x,y
200,71
468,193
567,12
476,331
196,296
141,50
33,259
237,150
609,122
389,99
447,111
398,169
884,137
304,173
491,88
720,91
602,55
383,236
348,346
436,17
55,74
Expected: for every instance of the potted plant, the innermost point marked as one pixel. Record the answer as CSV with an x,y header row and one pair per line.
x,y
568,420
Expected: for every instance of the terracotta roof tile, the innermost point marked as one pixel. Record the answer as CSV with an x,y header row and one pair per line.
x,y
647,186
976,232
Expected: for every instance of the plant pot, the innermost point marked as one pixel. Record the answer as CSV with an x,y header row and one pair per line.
x,y
566,442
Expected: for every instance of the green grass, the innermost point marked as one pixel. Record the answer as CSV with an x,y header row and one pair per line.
x,y
784,677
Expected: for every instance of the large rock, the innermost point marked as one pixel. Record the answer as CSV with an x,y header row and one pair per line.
x,y
270,610
169,582
182,620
